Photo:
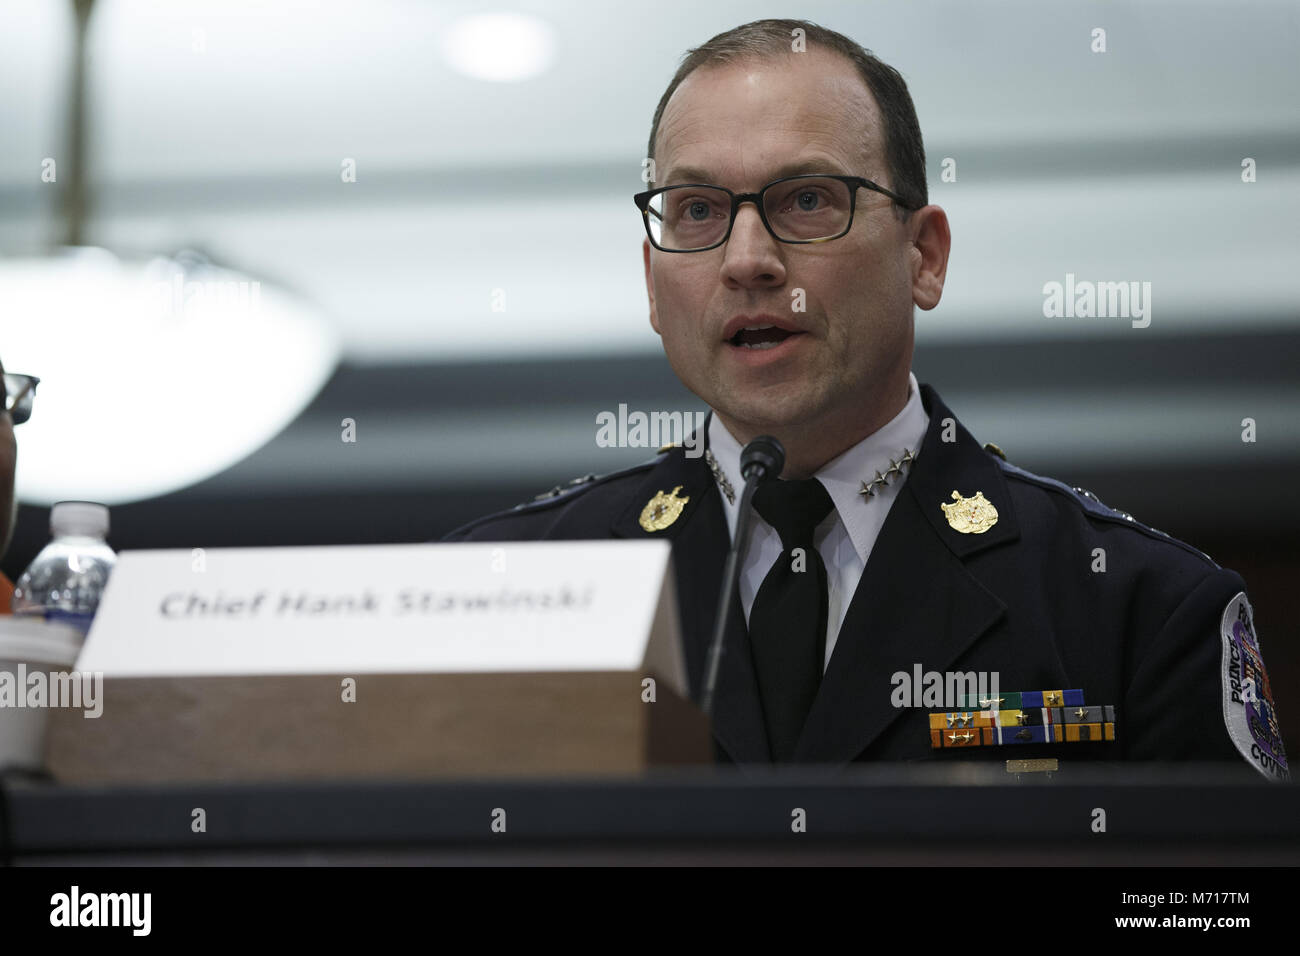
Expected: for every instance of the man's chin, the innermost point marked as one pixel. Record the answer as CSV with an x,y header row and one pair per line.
x,y
770,413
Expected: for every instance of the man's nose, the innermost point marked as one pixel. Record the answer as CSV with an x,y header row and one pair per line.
x,y
752,253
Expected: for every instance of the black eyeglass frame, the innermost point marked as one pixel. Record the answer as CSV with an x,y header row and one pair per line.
x,y
20,408
855,183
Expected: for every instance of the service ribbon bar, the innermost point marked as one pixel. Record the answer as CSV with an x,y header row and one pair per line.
x,y
1023,717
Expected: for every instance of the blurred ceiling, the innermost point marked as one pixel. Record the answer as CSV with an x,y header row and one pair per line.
x,y
223,125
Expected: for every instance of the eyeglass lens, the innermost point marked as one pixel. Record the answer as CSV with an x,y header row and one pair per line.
x,y
693,217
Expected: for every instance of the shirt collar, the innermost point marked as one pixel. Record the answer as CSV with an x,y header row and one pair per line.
x,y
843,475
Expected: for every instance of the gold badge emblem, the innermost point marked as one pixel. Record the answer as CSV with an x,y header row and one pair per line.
x,y
969,515
662,510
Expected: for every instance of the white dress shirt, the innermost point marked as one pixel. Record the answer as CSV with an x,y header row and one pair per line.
x,y
848,534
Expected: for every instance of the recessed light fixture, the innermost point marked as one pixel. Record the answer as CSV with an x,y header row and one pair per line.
x,y
499,47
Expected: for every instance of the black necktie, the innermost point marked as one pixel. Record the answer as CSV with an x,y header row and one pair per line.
x,y
787,624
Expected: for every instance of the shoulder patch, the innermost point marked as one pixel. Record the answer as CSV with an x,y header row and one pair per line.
x,y
1248,710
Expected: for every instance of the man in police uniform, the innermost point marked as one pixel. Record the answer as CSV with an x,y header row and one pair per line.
x,y
894,545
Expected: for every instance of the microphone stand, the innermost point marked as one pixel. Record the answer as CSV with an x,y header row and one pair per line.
x,y
761,459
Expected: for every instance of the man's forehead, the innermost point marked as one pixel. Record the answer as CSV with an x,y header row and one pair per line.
x,y
766,119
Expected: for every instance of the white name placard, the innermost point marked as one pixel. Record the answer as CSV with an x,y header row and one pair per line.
x,y
463,607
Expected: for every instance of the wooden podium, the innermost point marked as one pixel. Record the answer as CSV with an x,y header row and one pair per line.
x,y
396,661
409,726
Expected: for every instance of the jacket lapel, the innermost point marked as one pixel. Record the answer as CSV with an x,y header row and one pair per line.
x,y
700,541
916,602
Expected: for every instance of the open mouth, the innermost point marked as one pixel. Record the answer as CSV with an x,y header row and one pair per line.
x,y
761,337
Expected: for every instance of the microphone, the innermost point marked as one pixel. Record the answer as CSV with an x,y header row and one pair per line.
x,y
761,460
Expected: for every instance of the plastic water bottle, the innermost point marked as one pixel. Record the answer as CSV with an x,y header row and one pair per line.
x,y
67,579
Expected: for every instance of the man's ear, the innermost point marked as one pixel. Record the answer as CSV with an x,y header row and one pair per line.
x,y
931,242
650,286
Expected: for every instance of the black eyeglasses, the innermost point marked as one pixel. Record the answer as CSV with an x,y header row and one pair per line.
x,y
19,392
694,217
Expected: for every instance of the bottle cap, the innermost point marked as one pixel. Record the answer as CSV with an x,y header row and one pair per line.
x,y
88,518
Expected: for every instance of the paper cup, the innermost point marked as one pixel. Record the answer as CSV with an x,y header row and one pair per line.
x,y
27,646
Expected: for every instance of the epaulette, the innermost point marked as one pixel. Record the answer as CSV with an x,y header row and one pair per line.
x,y
576,486
1096,507
560,489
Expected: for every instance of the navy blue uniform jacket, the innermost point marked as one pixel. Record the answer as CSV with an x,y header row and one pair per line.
x,y
1021,599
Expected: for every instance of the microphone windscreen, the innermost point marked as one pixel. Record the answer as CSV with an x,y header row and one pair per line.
x,y
764,453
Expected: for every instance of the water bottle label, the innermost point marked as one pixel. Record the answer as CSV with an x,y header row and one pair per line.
x,y
79,620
